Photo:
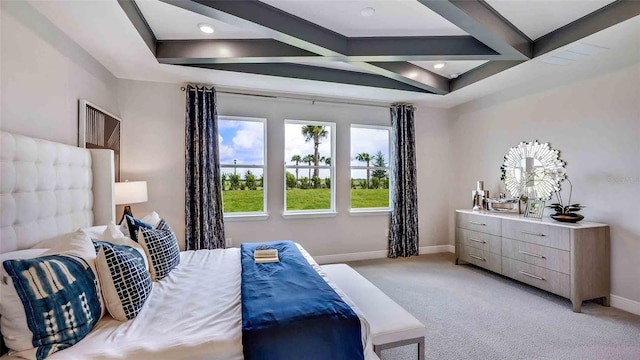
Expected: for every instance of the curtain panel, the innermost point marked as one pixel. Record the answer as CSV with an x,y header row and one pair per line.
x,y
403,233
203,191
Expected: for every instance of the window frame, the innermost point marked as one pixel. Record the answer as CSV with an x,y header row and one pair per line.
x,y
332,168
248,215
371,210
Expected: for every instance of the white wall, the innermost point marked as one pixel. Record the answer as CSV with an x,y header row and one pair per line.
x,y
153,144
44,73
595,123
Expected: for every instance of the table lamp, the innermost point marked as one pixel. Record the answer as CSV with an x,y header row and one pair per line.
x,y
130,192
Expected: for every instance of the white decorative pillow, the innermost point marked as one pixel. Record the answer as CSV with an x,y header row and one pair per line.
x,y
111,233
124,279
152,219
50,302
161,247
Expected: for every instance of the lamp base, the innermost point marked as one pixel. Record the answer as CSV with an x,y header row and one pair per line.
x,y
127,211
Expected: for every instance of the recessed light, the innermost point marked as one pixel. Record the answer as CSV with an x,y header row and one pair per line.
x,y
438,66
454,75
368,11
206,28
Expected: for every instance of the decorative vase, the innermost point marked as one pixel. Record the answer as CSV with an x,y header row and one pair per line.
x,y
568,217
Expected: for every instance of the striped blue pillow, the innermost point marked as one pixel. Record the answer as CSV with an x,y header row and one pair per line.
x,y
61,299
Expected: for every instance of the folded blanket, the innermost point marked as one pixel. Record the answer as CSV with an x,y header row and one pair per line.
x,y
290,312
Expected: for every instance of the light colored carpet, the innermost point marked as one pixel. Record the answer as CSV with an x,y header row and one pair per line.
x,y
475,314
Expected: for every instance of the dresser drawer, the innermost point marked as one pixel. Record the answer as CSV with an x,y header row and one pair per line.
x,y
482,258
541,234
482,223
479,240
546,257
545,279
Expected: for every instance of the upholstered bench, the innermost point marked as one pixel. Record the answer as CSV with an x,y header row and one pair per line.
x,y
391,325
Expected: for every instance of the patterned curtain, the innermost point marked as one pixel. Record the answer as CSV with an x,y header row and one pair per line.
x,y
403,234
203,193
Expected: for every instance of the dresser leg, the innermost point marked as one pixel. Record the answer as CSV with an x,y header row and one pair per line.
x,y
577,305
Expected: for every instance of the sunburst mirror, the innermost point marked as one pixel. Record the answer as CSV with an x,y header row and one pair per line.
x,y
533,170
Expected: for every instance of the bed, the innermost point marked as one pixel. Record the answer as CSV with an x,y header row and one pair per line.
x,y
48,189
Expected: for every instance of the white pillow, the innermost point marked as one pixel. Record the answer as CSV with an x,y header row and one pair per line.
x,y
15,330
151,218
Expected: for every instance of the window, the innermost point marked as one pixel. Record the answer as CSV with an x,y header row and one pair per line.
x,y
369,167
309,153
243,164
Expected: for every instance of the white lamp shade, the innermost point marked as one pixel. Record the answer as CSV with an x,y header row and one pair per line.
x,y
131,192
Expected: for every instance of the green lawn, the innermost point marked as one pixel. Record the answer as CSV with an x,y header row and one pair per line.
x,y
297,199
369,198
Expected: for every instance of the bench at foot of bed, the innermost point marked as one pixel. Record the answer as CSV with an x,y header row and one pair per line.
x,y
391,325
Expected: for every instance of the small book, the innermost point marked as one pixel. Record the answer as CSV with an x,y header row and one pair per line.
x,y
261,256
265,253
264,260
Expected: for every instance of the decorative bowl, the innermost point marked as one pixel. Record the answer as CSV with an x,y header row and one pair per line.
x,y
568,218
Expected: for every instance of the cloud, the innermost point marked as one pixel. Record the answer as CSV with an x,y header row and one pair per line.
x,y
242,142
369,140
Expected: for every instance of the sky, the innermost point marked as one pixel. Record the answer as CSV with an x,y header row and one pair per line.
x,y
243,141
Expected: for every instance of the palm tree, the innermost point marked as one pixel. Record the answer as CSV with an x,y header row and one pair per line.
x,y
297,159
308,159
315,133
365,157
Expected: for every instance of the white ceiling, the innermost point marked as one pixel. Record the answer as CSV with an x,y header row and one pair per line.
x,y
392,17
169,22
539,17
450,67
105,32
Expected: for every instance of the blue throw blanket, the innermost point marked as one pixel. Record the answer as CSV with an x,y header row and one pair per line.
x,y
290,312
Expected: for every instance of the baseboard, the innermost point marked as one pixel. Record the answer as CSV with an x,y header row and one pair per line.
x,y
378,254
434,249
625,304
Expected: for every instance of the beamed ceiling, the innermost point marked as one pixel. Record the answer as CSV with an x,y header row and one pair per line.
x,y
289,46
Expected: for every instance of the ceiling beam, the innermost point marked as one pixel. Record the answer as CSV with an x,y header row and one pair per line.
x,y
308,72
284,27
598,20
482,22
428,48
482,72
610,15
135,16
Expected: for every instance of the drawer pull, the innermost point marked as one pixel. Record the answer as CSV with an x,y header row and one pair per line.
x,y
532,254
478,241
532,233
531,275
478,257
477,223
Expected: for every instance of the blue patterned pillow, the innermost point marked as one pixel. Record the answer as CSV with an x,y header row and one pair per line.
x,y
161,246
124,279
61,299
134,225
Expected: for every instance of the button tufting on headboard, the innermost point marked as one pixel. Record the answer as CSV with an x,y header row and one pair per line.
x,y
46,189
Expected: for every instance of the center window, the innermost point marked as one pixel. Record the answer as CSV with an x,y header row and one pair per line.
x,y
309,163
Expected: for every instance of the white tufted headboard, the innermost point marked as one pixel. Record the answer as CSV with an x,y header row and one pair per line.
x,y
48,189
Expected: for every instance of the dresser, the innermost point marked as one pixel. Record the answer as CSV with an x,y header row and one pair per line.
x,y
570,260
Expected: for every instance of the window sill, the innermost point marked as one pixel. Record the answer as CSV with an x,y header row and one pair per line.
x,y
309,214
246,217
368,212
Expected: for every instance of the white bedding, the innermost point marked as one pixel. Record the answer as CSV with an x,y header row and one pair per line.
x,y
187,316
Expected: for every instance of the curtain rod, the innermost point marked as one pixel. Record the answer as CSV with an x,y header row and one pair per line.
x,y
313,101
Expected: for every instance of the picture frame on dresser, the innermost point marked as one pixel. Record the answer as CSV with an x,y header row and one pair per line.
x,y
534,209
